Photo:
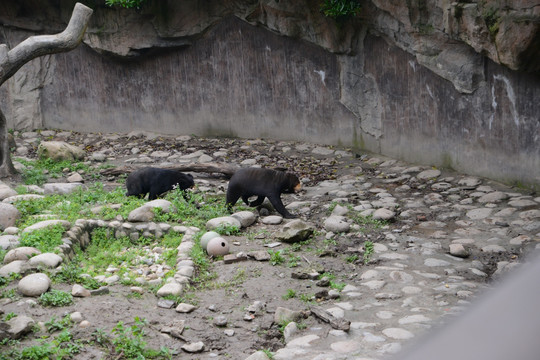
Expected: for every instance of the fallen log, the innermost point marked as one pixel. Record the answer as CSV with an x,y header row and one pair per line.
x,y
220,168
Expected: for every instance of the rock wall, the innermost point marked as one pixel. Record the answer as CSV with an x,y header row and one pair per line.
x,y
443,83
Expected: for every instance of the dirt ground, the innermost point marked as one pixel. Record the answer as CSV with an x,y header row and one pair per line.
x,y
244,283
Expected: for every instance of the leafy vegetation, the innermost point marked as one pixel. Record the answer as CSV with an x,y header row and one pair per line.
x,y
340,9
55,298
368,251
125,3
45,240
128,342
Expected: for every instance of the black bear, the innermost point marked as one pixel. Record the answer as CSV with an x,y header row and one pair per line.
x,y
156,182
262,183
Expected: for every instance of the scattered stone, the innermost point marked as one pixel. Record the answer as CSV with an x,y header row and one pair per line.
x,y
165,304
428,174
103,290
79,291
272,220
284,315
19,326
76,317
220,321
172,289
295,231
398,333
185,308
337,224
259,355
458,250
192,348
383,214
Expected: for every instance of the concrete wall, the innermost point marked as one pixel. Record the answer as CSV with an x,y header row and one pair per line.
x,y
242,80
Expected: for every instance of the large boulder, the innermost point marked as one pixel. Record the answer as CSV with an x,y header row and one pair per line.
x,y
59,150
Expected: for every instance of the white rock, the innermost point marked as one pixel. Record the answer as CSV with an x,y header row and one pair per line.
x,y
34,284
49,260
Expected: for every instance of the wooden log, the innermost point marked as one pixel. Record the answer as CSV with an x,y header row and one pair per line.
x,y
221,168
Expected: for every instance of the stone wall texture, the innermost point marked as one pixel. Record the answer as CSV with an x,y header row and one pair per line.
x,y
453,84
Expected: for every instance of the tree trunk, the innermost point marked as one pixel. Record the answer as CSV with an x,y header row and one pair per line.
x,y
35,46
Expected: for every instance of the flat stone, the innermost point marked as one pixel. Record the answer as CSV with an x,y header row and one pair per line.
x,y
80,291
195,347
337,224
414,319
49,260
61,188
185,308
479,214
246,218
383,214
220,221
19,326
173,289
431,262
20,253
272,220
398,333
428,174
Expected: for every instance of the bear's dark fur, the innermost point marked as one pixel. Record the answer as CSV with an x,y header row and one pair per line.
x,y
262,183
156,182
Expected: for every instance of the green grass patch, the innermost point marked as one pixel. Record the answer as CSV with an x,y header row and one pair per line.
x,y
45,240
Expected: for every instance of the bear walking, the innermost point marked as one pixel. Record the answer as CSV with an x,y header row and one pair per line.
x,y
155,181
262,183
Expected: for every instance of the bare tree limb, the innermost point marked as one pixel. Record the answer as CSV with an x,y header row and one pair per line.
x,y
12,60
39,45
221,168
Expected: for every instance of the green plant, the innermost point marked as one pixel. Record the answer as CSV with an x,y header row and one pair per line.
x,y
10,294
46,239
340,9
53,325
9,316
72,273
492,20
275,257
368,251
351,258
289,295
268,353
227,229
128,342
125,3
55,298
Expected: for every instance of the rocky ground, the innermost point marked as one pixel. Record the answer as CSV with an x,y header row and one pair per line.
x,y
441,239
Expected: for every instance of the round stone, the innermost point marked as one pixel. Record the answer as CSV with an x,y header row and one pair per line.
x,y
34,284
207,236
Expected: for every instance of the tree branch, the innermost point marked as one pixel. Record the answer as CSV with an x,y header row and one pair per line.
x,y
39,45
